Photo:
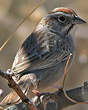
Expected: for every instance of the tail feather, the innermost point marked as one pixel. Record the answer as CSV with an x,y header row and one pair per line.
x,y
10,99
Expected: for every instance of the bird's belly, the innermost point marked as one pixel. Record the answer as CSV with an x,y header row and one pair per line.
x,y
50,76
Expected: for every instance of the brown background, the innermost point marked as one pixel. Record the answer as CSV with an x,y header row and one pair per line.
x,y
13,11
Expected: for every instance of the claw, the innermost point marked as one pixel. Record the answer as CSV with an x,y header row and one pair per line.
x,y
36,92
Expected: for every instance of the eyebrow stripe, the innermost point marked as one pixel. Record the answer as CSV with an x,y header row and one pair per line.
x,y
65,10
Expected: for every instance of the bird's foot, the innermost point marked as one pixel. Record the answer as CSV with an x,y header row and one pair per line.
x,y
60,89
39,95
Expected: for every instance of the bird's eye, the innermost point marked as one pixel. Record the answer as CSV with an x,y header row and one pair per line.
x,y
62,19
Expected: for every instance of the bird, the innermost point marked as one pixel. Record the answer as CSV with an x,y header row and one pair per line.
x,y
41,59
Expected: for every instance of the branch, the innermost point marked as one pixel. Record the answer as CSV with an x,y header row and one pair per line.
x,y
18,90
47,101
57,100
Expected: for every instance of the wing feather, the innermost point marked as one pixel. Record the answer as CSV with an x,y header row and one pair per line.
x,y
38,51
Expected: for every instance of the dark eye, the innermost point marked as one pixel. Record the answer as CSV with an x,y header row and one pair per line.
x,y
62,19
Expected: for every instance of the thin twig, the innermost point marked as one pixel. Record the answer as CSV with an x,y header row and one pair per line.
x,y
65,75
23,20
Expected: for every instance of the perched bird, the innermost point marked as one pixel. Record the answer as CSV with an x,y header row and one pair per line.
x,y
41,59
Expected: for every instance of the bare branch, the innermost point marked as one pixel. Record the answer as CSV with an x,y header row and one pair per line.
x,y
57,100
18,90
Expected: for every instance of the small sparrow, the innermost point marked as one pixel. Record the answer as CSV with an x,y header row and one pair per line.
x,y
41,59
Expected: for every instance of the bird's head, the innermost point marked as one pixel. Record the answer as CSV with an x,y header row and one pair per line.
x,y
61,20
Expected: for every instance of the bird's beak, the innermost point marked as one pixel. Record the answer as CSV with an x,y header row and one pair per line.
x,y
78,20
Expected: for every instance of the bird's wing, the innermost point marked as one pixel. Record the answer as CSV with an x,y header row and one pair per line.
x,y
37,52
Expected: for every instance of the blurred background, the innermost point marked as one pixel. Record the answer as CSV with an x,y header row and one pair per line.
x,y
13,11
